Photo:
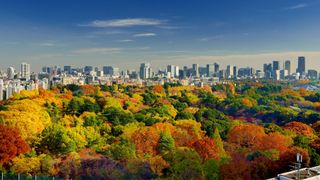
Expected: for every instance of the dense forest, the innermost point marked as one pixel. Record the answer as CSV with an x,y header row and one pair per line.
x,y
245,130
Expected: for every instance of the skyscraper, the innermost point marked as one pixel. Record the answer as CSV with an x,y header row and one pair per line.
x,y
287,66
145,71
195,69
1,90
301,65
25,71
275,65
229,73
210,70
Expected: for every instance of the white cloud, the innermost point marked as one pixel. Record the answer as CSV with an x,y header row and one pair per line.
x,y
97,50
144,35
205,39
124,40
125,22
47,44
298,6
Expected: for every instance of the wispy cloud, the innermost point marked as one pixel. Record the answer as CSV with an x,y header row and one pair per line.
x,y
205,39
124,40
97,50
144,35
47,44
297,6
125,22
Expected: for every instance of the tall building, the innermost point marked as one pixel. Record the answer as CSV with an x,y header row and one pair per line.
x,y
195,69
145,71
1,89
235,72
67,69
171,71
216,67
25,71
210,70
301,65
267,69
10,73
229,72
176,71
276,65
88,69
287,66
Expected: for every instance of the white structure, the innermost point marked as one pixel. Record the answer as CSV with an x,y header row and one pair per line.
x,y
10,73
1,89
25,71
145,71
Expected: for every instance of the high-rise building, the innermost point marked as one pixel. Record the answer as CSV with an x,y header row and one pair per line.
x,y
235,72
1,89
312,74
210,70
25,71
88,69
301,65
276,65
67,69
195,69
176,71
287,66
145,71
171,71
229,72
10,73
216,67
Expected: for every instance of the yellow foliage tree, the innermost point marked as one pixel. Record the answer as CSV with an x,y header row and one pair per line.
x,y
28,117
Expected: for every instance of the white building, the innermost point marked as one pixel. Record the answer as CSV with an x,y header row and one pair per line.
x,y
25,71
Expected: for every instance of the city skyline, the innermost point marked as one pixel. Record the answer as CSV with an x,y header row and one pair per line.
x,y
125,33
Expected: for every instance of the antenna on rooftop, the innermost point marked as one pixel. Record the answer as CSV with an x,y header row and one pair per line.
x,y
299,162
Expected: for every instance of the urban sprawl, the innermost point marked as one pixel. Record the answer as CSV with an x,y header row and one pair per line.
x,y
13,81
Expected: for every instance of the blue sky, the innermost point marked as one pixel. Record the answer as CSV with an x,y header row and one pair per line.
x,y
125,33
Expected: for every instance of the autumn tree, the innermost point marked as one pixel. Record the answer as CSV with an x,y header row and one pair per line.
x,y
300,128
11,144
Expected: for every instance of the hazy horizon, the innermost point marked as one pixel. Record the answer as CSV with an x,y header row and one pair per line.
x,y
125,33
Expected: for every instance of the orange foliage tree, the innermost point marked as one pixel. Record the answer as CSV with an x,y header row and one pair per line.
x,y
206,148
300,128
11,144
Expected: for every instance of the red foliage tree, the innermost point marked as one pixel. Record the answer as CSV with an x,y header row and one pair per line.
x,y
206,148
238,168
11,144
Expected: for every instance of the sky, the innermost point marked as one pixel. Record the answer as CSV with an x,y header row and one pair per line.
x,y
125,33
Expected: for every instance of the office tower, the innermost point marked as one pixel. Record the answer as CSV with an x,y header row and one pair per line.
x,y
210,70
283,74
67,69
10,73
176,71
145,71
171,71
25,71
276,65
277,75
235,73
312,74
229,72
287,66
1,89
216,67
245,72
195,69
116,71
88,69
267,69
108,70
301,65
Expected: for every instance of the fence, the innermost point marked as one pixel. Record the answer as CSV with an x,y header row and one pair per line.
x,y
8,176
